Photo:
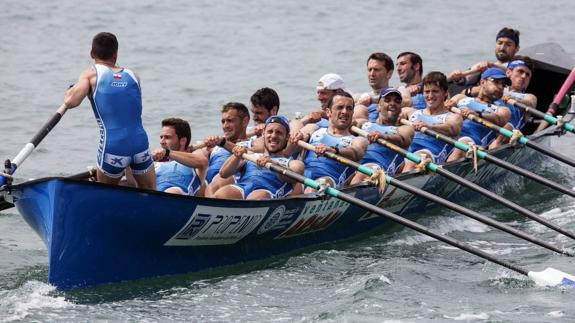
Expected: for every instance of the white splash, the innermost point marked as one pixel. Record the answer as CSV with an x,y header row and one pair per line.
x,y
556,314
469,317
31,297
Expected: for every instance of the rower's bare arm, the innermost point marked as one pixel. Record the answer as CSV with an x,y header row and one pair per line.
x,y
296,166
406,113
195,159
76,94
360,112
233,164
499,117
406,134
451,127
356,150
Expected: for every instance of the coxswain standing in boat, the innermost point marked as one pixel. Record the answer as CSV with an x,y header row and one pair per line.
x,y
487,106
435,116
235,120
379,72
256,181
116,99
388,128
177,170
335,138
506,47
409,68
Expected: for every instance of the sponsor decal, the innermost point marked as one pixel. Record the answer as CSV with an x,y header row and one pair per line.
x,y
210,225
119,84
381,204
117,76
279,219
316,216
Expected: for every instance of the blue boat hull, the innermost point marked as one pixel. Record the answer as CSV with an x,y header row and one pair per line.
x,y
97,233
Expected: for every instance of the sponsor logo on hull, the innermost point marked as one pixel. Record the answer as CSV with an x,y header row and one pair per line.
x,y
210,225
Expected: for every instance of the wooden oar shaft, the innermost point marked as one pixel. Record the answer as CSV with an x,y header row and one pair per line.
x,y
522,139
203,144
419,192
547,117
499,162
393,217
465,183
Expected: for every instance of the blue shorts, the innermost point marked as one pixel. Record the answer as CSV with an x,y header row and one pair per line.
x,y
114,156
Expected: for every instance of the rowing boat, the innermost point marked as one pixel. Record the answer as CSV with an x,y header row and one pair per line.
x,y
97,233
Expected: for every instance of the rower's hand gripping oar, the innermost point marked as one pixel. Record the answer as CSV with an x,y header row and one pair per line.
x,y
548,277
552,109
522,139
547,117
465,183
11,166
419,192
492,159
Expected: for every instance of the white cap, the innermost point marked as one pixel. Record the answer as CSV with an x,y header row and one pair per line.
x,y
331,81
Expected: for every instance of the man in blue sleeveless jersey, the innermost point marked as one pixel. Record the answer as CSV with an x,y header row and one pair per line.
x,y
409,68
486,106
435,116
178,171
379,72
115,95
335,138
519,71
506,47
235,120
387,128
256,181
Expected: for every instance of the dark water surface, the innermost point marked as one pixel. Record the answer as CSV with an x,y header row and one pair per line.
x,y
193,56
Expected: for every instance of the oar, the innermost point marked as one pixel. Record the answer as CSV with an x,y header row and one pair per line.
x,y
465,183
499,162
434,198
29,147
91,172
548,277
477,70
547,117
562,91
522,139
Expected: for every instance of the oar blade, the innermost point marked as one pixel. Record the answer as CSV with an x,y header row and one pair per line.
x,y
5,204
552,277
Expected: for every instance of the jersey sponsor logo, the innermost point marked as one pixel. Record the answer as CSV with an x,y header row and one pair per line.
x,y
210,225
316,216
279,219
117,76
119,84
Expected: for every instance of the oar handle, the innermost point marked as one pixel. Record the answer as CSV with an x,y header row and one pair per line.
x,y
204,145
479,70
502,131
11,166
439,136
547,117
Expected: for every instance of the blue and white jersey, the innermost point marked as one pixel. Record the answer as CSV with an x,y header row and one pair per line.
x,y
438,150
117,105
173,174
517,120
255,178
323,123
316,167
372,113
385,158
418,101
480,135
218,157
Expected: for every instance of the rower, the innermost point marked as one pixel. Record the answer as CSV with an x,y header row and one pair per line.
x,y
257,182
325,89
379,72
506,47
486,106
235,119
265,102
520,71
178,171
409,68
435,116
335,138
386,127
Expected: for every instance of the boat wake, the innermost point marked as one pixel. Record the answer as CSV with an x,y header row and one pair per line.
x,y
30,301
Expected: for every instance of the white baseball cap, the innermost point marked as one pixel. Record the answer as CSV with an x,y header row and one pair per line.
x,y
331,81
